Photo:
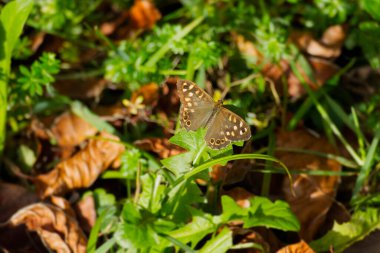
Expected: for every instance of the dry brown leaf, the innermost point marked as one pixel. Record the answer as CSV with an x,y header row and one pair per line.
x,y
86,213
314,195
149,93
58,231
70,129
82,169
329,46
67,129
160,146
300,247
144,14
322,69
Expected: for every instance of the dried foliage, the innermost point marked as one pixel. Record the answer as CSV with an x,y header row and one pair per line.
x,y
300,247
82,169
58,231
314,195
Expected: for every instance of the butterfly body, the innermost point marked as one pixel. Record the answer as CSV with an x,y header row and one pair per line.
x,y
198,109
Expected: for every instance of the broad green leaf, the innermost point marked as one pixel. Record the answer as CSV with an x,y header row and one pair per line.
x,y
196,230
220,243
343,235
264,212
152,193
103,199
231,210
372,7
133,236
179,198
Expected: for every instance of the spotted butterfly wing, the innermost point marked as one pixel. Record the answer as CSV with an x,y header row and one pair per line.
x,y
196,105
198,109
226,127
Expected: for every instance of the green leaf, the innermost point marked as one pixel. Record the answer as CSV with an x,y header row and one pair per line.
x,y
152,193
131,236
369,39
180,198
277,215
220,243
103,199
372,7
362,223
130,162
196,146
196,230
231,210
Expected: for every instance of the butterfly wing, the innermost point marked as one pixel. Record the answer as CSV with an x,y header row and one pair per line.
x,y
226,127
196,105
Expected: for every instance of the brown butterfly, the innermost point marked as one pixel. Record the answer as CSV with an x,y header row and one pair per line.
x,y
198,109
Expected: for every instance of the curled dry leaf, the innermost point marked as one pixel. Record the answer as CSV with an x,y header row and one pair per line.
x,y
314,195
82,169
160,146
70,129
300,247
329,46
67,129
59,231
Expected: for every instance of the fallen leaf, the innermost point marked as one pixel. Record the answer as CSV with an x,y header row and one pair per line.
x,y
58,231
82,169
86,212
314,195
160,146
70,130
149,93
144,14
300,247
329,46
67,129
322,69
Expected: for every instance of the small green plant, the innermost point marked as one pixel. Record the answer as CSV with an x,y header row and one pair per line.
x,y
170,211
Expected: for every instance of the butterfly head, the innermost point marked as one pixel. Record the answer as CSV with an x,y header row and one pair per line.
x,y
219,103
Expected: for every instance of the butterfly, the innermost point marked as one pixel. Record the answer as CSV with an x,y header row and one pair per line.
x,y
198,109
